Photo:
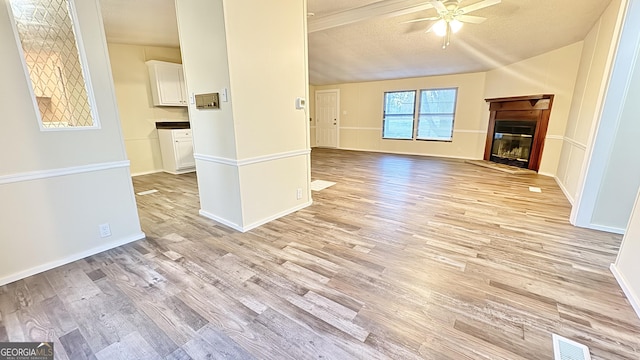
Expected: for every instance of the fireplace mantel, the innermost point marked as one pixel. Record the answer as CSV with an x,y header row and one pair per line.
x,y
521,108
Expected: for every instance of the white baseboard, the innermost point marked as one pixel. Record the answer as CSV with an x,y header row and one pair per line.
x,y
410,153
146,173
180,172
69,259
546,174
226,222
634,300
253,225
564,190
606,229
278,215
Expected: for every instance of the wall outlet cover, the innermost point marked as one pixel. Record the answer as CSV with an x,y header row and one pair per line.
x,y
105,230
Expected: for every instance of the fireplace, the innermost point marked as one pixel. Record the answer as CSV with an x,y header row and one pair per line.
x,y
517,129
512,142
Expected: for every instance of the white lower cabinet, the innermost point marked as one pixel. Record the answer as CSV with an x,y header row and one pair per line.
x,y
176,146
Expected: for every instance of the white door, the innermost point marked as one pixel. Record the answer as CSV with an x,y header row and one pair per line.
x,y
327,110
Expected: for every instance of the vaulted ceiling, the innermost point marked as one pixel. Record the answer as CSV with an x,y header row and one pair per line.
x,y
364,40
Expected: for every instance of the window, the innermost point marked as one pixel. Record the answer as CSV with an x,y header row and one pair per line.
x,y
45,31
399,107
434,115
437,109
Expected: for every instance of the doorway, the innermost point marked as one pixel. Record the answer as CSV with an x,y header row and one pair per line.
x,y
327,118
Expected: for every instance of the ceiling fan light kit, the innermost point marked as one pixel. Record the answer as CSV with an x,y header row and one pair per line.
x,y
440,27
451,17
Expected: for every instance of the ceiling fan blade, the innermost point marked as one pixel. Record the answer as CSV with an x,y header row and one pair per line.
x,y
471,19
478,6
422,19
438,6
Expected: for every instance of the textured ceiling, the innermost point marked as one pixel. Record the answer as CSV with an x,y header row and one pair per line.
x,y
381,47
140,22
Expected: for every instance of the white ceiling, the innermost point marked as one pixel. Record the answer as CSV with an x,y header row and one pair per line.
x,y
140,22
381,47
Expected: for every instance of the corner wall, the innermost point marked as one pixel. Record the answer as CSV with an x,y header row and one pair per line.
x,y
586,106
550,73
57,187
611,177
138,115
626,269
623,169
252,154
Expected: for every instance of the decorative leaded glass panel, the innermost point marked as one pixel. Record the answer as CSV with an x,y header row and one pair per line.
x,y
50,48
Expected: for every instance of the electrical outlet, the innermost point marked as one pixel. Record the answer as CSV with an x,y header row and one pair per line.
x,y
105,230
299,194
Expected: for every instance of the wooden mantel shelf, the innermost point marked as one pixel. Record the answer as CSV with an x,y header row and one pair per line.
x,y
520,98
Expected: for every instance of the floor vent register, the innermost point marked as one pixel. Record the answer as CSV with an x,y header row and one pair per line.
x,y
565,349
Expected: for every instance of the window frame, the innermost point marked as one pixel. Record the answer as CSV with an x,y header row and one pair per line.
x,y
83,60
453,114
417,103
413,114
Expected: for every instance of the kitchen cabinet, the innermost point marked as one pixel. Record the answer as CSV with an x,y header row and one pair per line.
x,y
167,83
176,147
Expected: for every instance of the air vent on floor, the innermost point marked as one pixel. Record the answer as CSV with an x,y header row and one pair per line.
x,y
565,349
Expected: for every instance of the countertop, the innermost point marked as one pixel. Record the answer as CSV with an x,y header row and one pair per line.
x,y
173,125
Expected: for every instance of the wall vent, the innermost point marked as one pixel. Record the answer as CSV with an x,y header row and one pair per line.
x,y
565,349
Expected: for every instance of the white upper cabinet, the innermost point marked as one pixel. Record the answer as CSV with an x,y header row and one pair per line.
x,y
167,83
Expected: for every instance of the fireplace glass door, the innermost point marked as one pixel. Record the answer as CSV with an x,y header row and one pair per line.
x,y
512,142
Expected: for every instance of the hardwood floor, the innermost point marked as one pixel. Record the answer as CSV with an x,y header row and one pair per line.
x,y
404,258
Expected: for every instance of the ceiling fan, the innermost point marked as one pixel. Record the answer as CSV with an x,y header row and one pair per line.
x,y
451,17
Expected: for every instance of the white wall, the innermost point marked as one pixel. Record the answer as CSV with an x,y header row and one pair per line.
x,y
257,144
603,173
550,73
611,177
627,268
138,115
593,74
622,173
57,187
361,127
311,115
206,69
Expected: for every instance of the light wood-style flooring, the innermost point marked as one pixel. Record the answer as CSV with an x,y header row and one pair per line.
x,y
404,258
